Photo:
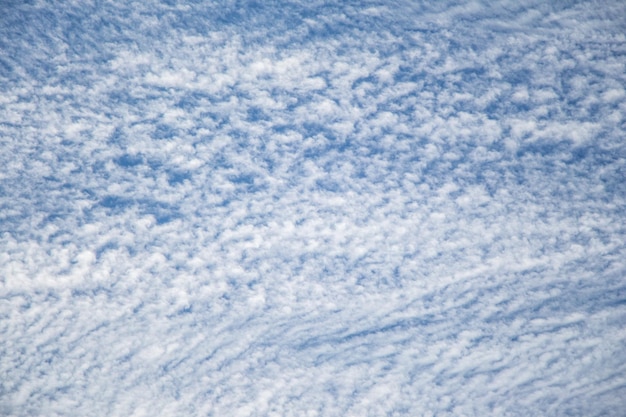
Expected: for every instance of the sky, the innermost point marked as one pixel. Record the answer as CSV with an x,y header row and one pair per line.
x,y
289,208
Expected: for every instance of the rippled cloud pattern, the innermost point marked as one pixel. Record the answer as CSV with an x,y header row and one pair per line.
x,y
283,208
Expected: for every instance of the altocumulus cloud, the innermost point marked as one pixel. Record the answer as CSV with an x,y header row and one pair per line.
x,y
307,208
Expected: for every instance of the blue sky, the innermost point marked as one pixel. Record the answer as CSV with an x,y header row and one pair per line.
x,y
312,208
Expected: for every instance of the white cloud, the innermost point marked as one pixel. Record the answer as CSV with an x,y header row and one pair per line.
x,y
245,209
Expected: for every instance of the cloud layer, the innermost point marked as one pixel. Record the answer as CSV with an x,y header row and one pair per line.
x,y
373,208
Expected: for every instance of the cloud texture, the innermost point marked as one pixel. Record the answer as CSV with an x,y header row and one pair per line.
x,y
312,209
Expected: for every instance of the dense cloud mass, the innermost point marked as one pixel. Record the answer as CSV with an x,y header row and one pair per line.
x,y
284,208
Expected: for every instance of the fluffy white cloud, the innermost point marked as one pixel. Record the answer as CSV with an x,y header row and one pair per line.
x,y
312,209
